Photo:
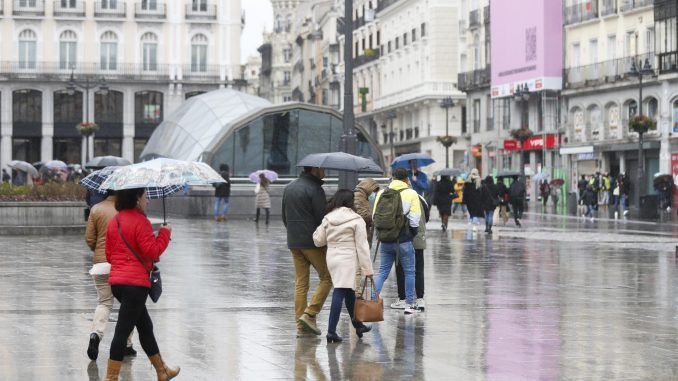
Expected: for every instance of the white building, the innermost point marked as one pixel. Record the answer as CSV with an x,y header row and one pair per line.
x,y
251,71
276,53
150,54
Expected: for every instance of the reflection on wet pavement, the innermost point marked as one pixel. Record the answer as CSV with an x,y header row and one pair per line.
x,y
560,299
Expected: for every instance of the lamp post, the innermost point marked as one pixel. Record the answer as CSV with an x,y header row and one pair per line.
x,y
390,116
645,69
522,95
348,180
446,103
86,85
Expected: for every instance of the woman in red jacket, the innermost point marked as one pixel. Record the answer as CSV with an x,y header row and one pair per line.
x,y
129,278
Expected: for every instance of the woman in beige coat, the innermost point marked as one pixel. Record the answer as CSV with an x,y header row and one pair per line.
x,y
345,234
263,199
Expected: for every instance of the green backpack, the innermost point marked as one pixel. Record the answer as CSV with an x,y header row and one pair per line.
x,y
388,218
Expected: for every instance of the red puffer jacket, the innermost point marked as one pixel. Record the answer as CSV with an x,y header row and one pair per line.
x,y
136,228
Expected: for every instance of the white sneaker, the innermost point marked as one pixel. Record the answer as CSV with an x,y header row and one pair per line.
x,y
420,304
411,310
626,212
399,305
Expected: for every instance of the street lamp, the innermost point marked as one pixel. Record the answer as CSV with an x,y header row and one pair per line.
x,y
390,116
645,69
522,95
347,180
446,103
86,85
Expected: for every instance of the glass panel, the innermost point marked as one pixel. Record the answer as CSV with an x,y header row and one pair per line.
x,y
150,57
108,108
280,142
139,145
104,147
27,106
67,150
314,134
224,154
249,142
148,107
68,108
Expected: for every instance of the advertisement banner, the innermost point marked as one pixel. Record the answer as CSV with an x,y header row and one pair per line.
x,y
533,143
527,49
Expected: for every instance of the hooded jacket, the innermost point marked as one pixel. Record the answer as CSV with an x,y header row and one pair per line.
x,y
303,209
411,208
361,203
343,232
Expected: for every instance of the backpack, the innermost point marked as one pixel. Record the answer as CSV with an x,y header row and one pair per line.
x,y
388,218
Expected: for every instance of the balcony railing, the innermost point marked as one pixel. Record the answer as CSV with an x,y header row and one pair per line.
x,y
668,62
383,4
200,72
486,15
581,12
29,8
147,10
475,79
474,19
629,5
206,12
369,56
608,7
603,72
56,71
110,9
69,8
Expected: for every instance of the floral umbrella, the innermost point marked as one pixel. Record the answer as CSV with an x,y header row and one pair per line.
x,y
270,175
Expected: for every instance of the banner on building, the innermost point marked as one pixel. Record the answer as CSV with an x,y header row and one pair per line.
x,y
534,143
526,50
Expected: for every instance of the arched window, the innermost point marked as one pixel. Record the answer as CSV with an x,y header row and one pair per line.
x,y
109,51
613,122
68,43
595,122
578,124
149,51
199,53
288,24
27,49
278,24
651,108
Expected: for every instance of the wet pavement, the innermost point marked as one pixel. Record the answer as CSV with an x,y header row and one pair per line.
x,y
560,299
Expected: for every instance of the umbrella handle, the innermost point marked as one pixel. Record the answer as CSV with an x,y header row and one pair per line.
x,y
164,215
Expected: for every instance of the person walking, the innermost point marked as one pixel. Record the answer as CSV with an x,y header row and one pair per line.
x,y
397,212
419,243
363,195
95,236
545,190
303,210
605,189
222,193
458,200
443,199
624,191
418,179
590,200
555,195
344,233
489,201
131,249
581,185
6,178
472,198
517,198
503,194
263,197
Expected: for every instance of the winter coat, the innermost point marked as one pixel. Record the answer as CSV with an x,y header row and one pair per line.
x,y
126,269
459,191
489,196
472,199
443,195
502,193
421,185
411,208
97,226
263,198
361,203
590,197
223,189
517,191
303,209
419,241
344,233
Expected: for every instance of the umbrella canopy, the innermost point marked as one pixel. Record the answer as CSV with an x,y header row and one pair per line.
x,y
541,176
24,167
94,180
447,172
270,175
107,161
660,178
403,161
508,174
558,182
55,164
161,173
340,161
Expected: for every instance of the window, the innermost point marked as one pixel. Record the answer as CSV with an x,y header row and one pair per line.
x,y
278,24
149,5
287,55
200,5
414,35
389,47
199,53
404,39
149,51
68,4
423,29
476,52
649,40
397,43
574,58
148,108
109,51
378,38
28,3
27,49
109,4
67,50
287,77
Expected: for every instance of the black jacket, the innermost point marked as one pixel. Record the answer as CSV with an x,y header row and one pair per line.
x,y
223,189
590,197
488,197
472,199
443,194
517,191
502,193
303,210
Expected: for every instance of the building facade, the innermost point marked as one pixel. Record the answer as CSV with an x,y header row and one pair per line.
x,y
128,63
276,53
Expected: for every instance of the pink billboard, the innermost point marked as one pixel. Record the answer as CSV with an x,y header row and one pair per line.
x,y
527,45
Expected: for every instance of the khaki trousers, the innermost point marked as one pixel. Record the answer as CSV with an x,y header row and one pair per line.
x,y
104,306
303,260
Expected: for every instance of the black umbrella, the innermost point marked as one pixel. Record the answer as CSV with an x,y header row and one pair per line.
x,y
107,161
340,161
508,174
447,172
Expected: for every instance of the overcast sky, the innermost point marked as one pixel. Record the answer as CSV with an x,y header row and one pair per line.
x,y
259,16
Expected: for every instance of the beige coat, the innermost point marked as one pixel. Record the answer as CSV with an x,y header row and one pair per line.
x,y
263,198
95,234
344,233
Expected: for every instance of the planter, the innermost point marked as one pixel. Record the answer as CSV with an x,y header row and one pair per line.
x,y
42,217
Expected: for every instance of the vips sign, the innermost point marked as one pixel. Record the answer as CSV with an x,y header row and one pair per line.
x,y
534,143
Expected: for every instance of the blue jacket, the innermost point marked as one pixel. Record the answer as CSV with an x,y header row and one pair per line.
x,y
421,185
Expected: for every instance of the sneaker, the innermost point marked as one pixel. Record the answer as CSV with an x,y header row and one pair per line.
x,y
420,304
93,348
308,322
399,305
411,310
129,351
626,212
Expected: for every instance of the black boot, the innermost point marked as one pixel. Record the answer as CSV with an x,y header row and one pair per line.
x,y
361,328
333,338
93,348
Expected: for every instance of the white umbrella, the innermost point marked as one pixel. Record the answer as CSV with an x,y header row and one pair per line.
x,y
24,167
55,164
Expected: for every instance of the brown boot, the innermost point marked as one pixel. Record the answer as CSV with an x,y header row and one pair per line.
x,y
113,370
164,372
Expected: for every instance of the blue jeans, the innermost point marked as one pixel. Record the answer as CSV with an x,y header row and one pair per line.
x,y
342,295
389,253
217,206
589,211
489,218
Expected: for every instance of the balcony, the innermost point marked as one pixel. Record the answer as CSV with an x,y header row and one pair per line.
x,y
55,71
474,19
603,72
204,12
473,80
150,11
110,9
668,62
630,5
69,8
581,12
383,4
368,56
201,73
486,15
608,7
29,8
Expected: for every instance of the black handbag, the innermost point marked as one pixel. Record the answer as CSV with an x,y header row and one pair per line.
x,y
156,281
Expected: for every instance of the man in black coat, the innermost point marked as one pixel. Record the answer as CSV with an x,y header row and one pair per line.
x,y
303,210
222,193
517,196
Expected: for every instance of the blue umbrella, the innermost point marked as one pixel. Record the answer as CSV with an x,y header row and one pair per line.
x,y
403,161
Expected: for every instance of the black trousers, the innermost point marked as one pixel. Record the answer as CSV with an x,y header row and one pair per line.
x,y
517,206
268,214
418,276
133,313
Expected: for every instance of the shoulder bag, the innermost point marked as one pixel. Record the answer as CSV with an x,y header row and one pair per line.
x,y
369,310
156,281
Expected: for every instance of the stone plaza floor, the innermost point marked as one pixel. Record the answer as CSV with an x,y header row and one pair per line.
x,y
560,299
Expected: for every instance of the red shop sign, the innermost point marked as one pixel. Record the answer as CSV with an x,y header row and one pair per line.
x,y
477,151
534,143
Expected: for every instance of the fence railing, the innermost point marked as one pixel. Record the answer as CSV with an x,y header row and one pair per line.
x,y
629,5
28,8
604,72
373,55
150,10
206,12
69,8
581,12
117,9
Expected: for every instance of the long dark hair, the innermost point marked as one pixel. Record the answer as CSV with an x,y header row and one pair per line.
x,y
128,198
343,197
